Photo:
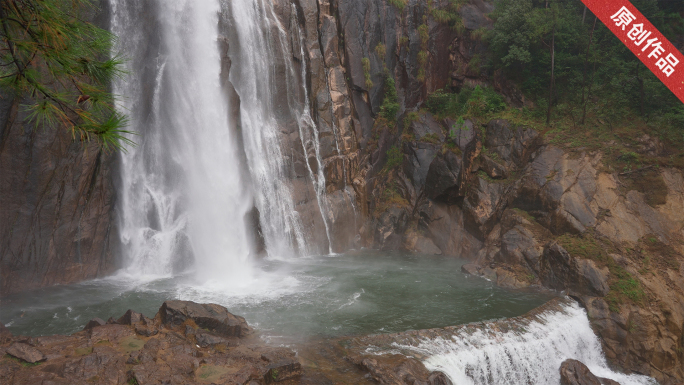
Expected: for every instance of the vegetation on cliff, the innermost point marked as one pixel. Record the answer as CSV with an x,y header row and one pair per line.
x,y
60,65
593,74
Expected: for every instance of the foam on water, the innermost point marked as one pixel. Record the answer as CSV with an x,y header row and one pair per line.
x,y
531,354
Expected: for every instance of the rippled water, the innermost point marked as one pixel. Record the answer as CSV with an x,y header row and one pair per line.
x,y
354,293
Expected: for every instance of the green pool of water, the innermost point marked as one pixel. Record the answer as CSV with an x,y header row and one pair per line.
x,y
349,294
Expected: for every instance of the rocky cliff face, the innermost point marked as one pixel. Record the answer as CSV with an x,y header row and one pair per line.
x,y
350,48
56,197
526,212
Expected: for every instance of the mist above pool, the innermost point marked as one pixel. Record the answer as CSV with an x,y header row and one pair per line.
x,y
348,294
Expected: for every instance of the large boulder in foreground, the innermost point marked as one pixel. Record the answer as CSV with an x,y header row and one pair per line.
x,y
574,372
26,352
213,317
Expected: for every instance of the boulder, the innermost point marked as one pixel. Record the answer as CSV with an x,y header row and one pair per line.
x,y
390,228
470,268
426,246
205,339
574,372
391,369
285,369
213,317
561,271
131,317
420,157
427,125
522,241
282,365
190,331
483,206
26,352
145,331
94,322
493,169
513,144
460,134
445,226
441,182
110,333
439,378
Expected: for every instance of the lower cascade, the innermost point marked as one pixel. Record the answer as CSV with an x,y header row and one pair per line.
x,y
520,351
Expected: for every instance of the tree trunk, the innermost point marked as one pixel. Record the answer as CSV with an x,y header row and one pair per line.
x,y
585,97
553,68
641,90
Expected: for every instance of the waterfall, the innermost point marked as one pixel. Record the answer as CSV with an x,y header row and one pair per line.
x,y
274,98
254,48
201,165
529,351
183,193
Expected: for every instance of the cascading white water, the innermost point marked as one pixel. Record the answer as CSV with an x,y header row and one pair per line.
x,y
529,354
185,193
261,53
183,196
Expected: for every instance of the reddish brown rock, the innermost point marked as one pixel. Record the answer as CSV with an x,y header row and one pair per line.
x,y
130,317
26,352
574,372
94,323
114,354
210,316
283,370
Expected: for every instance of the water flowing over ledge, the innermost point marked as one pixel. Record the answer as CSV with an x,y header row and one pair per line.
x,y
522,350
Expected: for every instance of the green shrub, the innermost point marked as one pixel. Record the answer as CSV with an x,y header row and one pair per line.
x,y
484,100
438,102
474,102
394,158
431,138
381,50
365,62
399,4
390,104
424,33
444,16
410,118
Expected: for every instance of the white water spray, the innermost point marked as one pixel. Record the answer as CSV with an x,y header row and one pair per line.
x,y
183,197
262,62
185,188
530,353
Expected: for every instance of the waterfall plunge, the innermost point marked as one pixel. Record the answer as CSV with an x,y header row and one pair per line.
x,y
186,191
183,193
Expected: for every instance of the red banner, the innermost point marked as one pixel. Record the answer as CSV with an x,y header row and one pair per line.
x,y
644,40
